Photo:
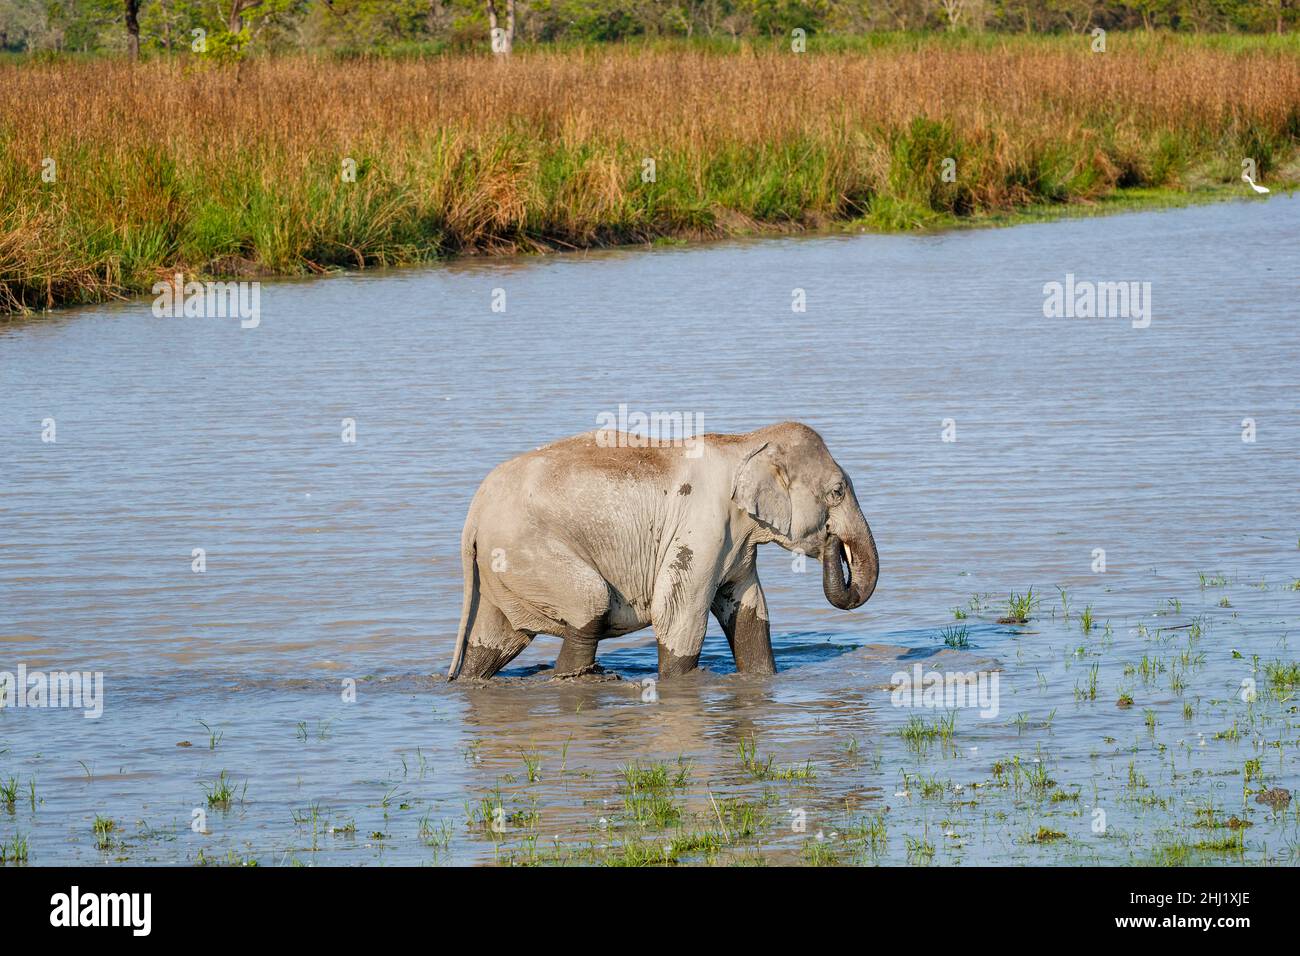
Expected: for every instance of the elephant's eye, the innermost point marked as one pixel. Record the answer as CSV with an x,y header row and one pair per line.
x,y
836,493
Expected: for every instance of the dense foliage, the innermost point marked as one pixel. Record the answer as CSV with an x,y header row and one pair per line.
x,y
105,26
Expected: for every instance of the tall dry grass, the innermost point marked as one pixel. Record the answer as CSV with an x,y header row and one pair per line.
x,y
162,166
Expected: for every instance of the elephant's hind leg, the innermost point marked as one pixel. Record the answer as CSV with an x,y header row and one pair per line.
x,y
580,601
493,643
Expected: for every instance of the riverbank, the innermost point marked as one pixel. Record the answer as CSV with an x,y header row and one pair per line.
x,y
290,166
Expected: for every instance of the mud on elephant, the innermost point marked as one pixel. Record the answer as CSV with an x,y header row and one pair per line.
x,y
605,533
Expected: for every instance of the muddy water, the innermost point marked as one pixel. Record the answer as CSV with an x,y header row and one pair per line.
x,y
330,562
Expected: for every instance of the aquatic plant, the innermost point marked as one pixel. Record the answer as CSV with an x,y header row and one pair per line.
x,y
869,833
917,732
1282,676
221,791
103,829
819,853
920,851
9,793
763,768
15,850
1020,607
532,764
956,636
214,736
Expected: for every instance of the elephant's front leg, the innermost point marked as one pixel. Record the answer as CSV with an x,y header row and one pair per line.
x,y
679,622
577,656
741,609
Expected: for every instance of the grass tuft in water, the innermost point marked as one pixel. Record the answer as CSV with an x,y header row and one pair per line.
x,y
955,636
1020,608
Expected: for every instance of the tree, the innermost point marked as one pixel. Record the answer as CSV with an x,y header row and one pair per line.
x,y
238,8
133,28
503,40
1077,14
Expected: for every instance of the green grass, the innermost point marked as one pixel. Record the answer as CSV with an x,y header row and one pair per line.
x,y
15,850
1020,608
741,818
1282,676
1088,691
103,828
220,792
1231,842
918,733
870,834
764,768
955,636
9,793
652,810
1046,835
819,853
648,793
657,776
1020,776
920,851
532,765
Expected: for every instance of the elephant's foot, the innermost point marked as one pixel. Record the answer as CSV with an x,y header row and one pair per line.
x,y
577,657
589,671
675,665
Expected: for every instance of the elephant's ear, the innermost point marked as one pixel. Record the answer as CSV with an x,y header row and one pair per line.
x,y
763,489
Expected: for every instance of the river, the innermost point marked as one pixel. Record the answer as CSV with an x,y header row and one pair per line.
x,y
269,601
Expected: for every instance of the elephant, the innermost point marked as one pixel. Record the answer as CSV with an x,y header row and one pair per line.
x,y
606,533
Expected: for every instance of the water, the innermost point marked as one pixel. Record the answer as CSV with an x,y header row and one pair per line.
x,y
329,562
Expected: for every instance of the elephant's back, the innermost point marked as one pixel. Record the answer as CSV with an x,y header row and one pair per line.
x,y
590,494
592,455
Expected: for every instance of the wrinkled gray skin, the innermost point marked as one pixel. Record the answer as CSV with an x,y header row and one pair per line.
x,y
592,537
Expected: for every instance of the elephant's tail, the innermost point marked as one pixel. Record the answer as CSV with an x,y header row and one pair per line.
x,y
469,567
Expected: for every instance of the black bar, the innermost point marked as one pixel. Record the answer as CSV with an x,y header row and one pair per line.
x,y
334,905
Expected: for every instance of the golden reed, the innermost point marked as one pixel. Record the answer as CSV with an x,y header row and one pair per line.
x,y
168,165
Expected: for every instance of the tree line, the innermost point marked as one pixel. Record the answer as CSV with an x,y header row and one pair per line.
x,y
235,27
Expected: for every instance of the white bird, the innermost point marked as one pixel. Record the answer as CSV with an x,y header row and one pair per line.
x,y
1245,178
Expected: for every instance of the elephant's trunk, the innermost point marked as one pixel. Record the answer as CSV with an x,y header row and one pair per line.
x,y
859,554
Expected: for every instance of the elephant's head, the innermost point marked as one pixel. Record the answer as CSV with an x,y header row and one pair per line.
x,y
788,482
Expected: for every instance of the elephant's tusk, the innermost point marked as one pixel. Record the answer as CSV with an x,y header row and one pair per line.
x,y
848,554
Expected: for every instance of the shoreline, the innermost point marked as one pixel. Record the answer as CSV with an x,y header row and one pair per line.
x,y
1120,202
